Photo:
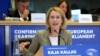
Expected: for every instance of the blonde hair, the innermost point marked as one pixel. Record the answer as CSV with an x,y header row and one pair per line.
x,y
57,9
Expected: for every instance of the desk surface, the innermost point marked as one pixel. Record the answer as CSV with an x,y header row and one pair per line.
x,y
30,23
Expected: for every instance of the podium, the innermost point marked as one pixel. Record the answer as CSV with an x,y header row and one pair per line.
x,y
39,52
73,50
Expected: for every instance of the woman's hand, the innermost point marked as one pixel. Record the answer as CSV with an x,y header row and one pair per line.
x,y
22,45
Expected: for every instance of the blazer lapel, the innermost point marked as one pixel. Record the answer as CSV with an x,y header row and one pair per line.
x,y
62,39
46,37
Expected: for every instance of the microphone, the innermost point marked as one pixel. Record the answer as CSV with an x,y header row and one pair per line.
x,y
58,37
4,15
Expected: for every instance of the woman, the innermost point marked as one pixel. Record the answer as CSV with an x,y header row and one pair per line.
x,y
64,5
55,34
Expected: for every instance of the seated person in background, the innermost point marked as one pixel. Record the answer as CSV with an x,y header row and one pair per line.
x,y
55,34
22,11
64,5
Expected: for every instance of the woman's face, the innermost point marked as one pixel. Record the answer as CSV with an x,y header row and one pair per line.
x,y
63,6
55,20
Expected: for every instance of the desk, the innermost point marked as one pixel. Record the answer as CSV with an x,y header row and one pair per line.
x,y
83,33
29,23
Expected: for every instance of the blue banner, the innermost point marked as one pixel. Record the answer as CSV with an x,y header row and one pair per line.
x,y
25,31
4,7
85,34
73,50
81,34
2,40
22,32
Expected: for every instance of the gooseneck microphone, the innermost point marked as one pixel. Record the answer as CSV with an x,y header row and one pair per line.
x,y
58,36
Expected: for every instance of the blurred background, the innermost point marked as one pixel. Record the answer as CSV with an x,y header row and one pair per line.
x,y
41,6
86,6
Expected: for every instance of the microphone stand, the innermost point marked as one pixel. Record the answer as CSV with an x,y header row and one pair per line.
x,y
58,39
58,36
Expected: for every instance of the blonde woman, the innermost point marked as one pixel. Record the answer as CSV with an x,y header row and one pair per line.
x,y
55,34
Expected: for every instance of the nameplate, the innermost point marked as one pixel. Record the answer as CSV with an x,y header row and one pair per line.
x,y
12,18
38,17
74,50
85,18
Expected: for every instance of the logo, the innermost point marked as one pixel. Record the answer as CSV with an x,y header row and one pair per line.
x,y
92,52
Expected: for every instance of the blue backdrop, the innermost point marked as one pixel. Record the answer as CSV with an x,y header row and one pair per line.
x,y
2,40
4,6
81,34
85,34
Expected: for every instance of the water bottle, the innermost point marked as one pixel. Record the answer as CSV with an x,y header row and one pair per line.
x,y
16,48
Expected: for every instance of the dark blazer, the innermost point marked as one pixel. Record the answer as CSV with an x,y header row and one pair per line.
x,y
42,38
16,14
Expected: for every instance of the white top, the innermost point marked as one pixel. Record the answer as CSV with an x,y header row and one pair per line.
x,y
53,40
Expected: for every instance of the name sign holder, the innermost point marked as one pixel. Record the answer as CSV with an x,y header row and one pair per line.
x,y
85,18
38,17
